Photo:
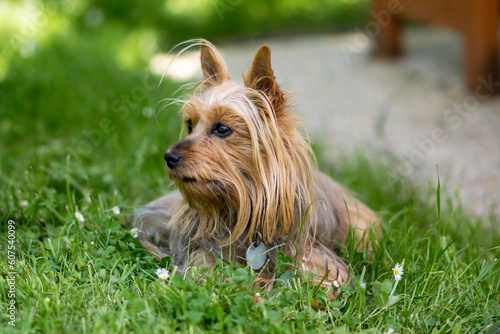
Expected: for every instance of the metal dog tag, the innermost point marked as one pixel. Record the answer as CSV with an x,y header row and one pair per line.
x,y
256,255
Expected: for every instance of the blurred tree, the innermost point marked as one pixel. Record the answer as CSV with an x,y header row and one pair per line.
x,y
179,20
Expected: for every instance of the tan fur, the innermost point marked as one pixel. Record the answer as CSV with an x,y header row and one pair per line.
x,y
259,180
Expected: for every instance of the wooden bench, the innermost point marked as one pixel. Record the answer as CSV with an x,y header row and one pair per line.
x,y
476,20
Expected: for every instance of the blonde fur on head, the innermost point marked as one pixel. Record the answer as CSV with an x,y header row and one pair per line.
x,y
244,169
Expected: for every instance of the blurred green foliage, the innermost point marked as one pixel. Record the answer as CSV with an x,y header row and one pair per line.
x,y
179,20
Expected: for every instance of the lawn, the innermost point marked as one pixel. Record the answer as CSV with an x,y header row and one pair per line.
x,y
83,129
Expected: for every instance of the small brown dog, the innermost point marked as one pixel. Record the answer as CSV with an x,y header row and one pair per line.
x,y
247,187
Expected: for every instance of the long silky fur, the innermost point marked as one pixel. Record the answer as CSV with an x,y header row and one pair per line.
x,y
263,185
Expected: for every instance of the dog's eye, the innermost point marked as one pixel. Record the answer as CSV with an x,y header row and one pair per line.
x,y
190,125
221,130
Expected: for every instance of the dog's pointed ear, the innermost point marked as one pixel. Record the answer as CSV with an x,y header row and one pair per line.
x,y
261,78
213,66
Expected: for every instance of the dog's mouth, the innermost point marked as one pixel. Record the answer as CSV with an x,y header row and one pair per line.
x,y
187,179
182,178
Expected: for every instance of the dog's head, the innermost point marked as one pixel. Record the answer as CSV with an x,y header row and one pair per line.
x,y
242,156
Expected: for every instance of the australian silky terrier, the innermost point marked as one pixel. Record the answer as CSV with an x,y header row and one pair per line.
x,y
247,182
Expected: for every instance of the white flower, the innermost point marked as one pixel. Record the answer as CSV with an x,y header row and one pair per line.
x,y
24,203
47,299
398,272
304,259
162,273
135,232
116,210
79,216
91,242
336,284
389,331
363,285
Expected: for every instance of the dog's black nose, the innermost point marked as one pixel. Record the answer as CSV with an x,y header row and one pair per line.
x,y
172,159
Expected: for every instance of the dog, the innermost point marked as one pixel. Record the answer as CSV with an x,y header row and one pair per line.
x,y
247,185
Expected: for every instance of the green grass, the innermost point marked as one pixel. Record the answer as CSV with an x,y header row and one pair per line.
x,y
74,137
